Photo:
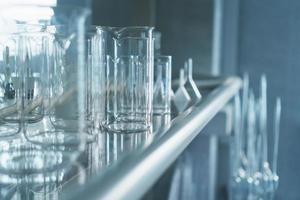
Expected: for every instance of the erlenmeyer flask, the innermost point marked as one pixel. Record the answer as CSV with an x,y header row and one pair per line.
x,y
129,78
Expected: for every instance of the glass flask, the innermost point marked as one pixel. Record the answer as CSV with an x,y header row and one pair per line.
x,y
162,85
128,58
50,87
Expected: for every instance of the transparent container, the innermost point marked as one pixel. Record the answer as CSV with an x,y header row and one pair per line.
x,y
95,62
66,120
49,89
162,85
128,57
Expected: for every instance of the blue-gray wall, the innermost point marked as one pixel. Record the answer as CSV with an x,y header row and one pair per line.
x,y
186,26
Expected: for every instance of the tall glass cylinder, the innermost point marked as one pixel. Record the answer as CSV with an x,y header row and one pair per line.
x,y
128,57
95,62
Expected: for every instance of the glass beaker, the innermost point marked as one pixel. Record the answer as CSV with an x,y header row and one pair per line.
x,y
52,88
66,118
129,78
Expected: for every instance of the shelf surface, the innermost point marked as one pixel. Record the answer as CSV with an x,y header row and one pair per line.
x,y
125,166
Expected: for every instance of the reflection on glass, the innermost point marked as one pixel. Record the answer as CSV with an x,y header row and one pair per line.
x,y
118,144
162,85
42,95
190,84
46,185
95,45
109,147
10,96
181,97
161,123
128,58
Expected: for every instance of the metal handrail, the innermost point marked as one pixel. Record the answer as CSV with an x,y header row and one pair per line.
x,y
133,176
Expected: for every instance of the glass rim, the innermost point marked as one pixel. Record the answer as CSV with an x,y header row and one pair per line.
x,y
119,30
122,27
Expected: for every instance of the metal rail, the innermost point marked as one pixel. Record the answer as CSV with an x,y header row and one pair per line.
x,y
133,176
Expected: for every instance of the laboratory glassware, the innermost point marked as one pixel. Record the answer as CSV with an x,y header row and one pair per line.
x,y
65,120
181,96
129,78
17,155
162,85
95,62
9,74
190,84
157,43
277,116
52,86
